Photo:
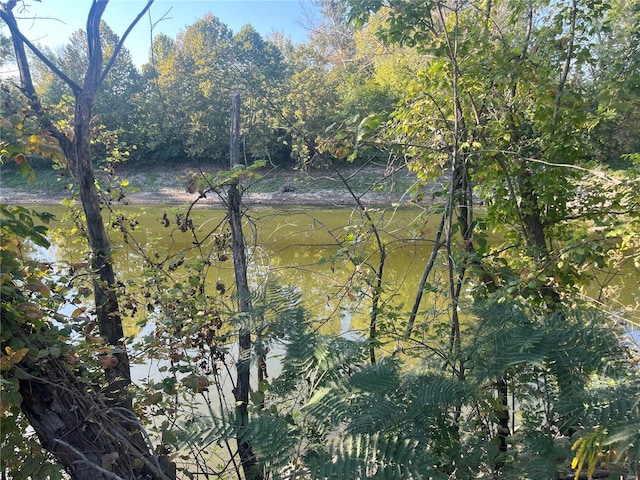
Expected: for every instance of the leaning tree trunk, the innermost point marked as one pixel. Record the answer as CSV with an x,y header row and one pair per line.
x,y
241,392
82,429
108,316
91,440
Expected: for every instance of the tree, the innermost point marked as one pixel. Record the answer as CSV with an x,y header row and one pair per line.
x,y
158,121
238,247
204,55
52,410
316,69
500,109
333,84
115,107
261,75
191,80
613,78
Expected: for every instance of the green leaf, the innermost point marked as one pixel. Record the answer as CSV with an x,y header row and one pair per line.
x,y
257,397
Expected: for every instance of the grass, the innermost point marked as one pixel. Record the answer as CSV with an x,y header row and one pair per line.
x,y
152,178
46,181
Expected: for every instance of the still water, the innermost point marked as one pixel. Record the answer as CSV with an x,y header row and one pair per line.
x,y
326,254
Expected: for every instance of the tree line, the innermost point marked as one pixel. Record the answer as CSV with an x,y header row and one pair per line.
x,y
175,108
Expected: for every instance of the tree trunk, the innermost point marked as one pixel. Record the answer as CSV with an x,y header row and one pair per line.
x,y
241,392
503,413
106,301
76,426
534,230
88,438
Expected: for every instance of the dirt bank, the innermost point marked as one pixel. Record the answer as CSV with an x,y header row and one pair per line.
x,y
168,186
172,196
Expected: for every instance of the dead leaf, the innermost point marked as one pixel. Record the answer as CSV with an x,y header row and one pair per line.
x,y
17,356
107,361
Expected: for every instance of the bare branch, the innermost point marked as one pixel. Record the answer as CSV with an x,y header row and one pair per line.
x,y
128,416
423,280
19,40
567,63
116,50
84,459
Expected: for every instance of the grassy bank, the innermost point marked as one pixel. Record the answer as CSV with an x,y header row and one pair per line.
x,y
168,184
151,179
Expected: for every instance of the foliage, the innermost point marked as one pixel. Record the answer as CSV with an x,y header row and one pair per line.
x,y
615,76
48,337
190,83
330,415
500,107
5,49
21,138
29,300
512,373
504,115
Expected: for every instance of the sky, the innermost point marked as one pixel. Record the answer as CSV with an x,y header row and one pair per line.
x,y
51,22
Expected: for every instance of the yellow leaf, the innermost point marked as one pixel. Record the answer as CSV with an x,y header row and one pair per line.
x,y
19,355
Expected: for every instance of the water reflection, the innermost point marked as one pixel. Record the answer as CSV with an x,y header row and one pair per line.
x,y
303,248
328,254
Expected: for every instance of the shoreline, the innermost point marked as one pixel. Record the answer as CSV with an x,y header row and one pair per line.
x,y
170,186
170,196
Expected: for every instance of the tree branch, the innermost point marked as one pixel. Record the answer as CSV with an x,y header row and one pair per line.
x,y
423,280
84,459
567,63
19,41
92,76
118,47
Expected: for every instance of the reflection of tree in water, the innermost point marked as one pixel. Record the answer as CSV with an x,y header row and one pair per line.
x,y
293,247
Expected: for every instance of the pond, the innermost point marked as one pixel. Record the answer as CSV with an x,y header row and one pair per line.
x,y
326,254
305,248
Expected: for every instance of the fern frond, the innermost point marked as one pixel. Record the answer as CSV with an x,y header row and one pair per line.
x,y
205,430
372,413
437,391
274,440
380,378
587,448
376,456
327,405
539,457
504,339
